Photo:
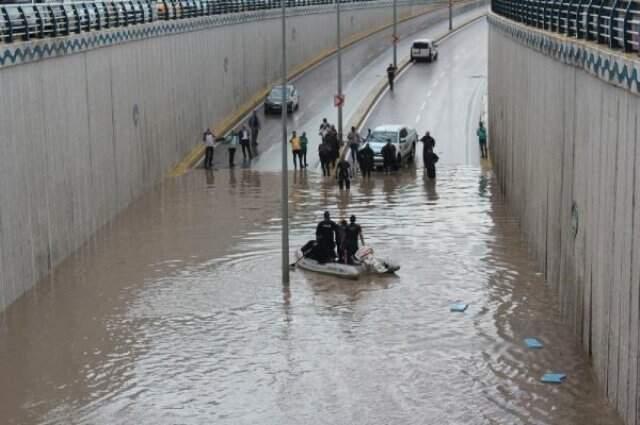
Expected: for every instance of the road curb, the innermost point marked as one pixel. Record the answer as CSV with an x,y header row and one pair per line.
x,y
380,89
231,121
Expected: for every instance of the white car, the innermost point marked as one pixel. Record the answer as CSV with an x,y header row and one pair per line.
x,y
401,136
424,48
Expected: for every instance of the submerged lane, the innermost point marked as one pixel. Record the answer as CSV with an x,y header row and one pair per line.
x,y
174,313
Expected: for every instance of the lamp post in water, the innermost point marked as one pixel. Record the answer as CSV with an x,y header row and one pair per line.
x,y
450,15
395,34
339,101
285,172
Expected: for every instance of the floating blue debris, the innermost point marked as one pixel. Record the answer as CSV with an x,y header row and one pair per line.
x,y
533,343
459,307
553,378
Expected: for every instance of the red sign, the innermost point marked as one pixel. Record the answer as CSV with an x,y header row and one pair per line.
x,y
338,100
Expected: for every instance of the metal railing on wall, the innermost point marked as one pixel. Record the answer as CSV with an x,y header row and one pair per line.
x,y
615,23
42,20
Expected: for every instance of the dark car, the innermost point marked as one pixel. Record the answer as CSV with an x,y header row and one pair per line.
x,y
274,102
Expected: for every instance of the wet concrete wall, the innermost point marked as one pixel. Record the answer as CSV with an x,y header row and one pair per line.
x,y
563,138
89,122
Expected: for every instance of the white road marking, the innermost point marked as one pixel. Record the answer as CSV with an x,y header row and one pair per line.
x,y
429,93
418,119
435,83
424,105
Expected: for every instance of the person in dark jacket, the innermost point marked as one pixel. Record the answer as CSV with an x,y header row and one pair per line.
x,y
430,159
391,75
254,125
388,157
366,161
343,174
352,233
332,139
324,153
326,233
428,142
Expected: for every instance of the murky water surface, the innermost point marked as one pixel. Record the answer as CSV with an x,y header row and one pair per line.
x,y
175,314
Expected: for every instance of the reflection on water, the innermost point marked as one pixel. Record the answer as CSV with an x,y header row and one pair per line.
x,y
174,314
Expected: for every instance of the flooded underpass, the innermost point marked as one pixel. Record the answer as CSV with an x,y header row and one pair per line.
x,y
175,314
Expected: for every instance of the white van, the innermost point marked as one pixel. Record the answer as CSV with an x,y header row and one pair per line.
x,y
424,49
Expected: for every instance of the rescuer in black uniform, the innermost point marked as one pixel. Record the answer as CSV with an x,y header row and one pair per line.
x,y
326,233
352,233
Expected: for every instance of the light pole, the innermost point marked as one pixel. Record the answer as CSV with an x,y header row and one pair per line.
x,y
285,173
450,15
339,57
395,34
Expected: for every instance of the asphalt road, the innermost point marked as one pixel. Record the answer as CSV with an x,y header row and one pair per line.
x,y
444,97
363,65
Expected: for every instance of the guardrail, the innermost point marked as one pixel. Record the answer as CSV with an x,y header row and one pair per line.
x,y
615,23
27,21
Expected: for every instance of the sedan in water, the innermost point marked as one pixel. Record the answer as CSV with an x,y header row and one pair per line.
x,y
402,137
274,102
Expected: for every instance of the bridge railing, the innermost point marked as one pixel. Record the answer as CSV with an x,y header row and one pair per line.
x,y
615,23
42,20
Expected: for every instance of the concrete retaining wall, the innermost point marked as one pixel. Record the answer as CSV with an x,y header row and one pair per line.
x,y
85,131
564,145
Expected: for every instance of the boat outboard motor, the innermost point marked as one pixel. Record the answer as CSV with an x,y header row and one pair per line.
x,y
365,256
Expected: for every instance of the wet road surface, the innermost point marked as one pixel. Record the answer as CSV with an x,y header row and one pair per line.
x,y
174,313
364,64
444,97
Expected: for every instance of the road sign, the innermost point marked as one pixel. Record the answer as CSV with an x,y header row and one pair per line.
x,y
338,100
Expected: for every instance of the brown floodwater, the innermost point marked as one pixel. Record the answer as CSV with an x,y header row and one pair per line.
x,y
175,314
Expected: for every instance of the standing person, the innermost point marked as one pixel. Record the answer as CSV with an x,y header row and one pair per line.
x,y
482,139
388,157
324,129
352,233
334,144
367,161
324,153
391,75
234,141
326,231
430,159
209,142
244,142
295,149
429,142
254,125
354,144
343,174
303,150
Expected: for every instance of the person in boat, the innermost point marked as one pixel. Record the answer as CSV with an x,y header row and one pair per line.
x,y
340,241
326,233
352,233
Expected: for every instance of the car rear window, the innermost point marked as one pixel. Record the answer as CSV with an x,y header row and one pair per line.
x,y
420,45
